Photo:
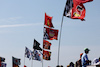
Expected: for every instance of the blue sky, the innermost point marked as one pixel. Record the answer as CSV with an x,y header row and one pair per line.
x,y
22,20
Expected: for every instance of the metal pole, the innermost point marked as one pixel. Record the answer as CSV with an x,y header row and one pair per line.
x,y
60,39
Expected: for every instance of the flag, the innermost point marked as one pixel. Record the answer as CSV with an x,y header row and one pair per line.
x,y
78,11
28,53
50,34
75,9
2,59
46,55
3,64
25,66
48,21
46,44
83,1
16,62
36,55
36,45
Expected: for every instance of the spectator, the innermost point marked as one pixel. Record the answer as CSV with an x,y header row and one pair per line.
x,y
84,59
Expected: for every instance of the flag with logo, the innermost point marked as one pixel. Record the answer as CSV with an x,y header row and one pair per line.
x,y
50,34
36,45
46,55
75,9
48,21
16,62
46,44
28,53
36,55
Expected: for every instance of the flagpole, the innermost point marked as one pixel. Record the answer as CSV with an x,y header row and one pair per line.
x,y
32,63
24,59
60,40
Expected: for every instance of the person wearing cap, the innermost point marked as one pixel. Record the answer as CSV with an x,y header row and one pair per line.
x,y
84,59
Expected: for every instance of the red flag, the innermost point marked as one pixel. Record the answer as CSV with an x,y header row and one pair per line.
x,y
50,33
75,9
46,44
25,66
83,1
78,11
46,55
48,21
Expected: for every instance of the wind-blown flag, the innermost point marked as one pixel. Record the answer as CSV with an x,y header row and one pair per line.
x,y
16,62
25,66
46,44
36,45
2,59
83,1
36,55
75,9
48,21
50,34
3,64
46,55
28,53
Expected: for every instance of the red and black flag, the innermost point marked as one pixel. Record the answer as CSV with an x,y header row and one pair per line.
x,y
46,44
75,9
46,55
48,21
15,62
50,34
36,45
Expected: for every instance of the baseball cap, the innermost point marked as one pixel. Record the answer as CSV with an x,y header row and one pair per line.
x,y
86,49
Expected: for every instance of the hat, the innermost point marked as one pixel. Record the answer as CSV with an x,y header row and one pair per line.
x,y
86,49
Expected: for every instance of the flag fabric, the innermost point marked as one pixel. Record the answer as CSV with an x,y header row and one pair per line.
x,y
28,53
16,62
46,44
46,55
50,34
36,45
48,21
83,1
25,66
75,9
36,55
3,64
2,59
78,11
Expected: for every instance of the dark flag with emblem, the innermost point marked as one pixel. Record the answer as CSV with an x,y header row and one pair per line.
x,y
2,59
16,62
75,9
48,21
46,44
36,45
50,34
46,55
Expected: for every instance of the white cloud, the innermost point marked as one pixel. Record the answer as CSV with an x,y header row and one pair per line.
x,y
19,25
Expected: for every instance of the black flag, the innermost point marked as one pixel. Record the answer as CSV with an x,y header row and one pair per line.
x,y
36,45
